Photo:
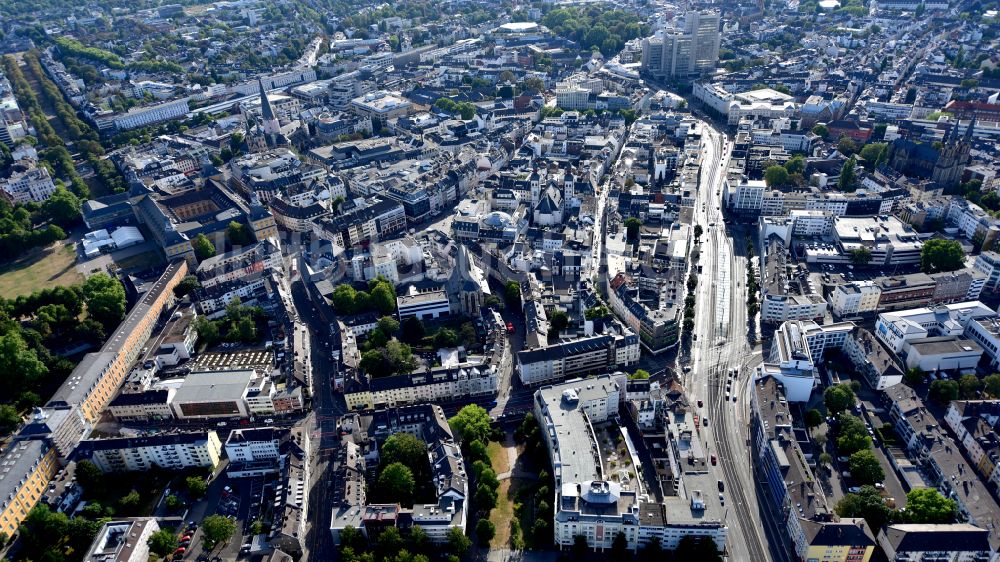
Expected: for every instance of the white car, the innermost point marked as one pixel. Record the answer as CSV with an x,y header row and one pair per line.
x,y
854,489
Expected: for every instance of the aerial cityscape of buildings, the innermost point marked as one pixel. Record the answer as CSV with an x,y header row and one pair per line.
x,y
423,281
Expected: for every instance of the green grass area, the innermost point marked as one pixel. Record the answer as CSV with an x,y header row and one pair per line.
x,y
498,457
40,268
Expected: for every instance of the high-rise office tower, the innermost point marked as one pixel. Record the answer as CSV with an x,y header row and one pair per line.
x,y
689,48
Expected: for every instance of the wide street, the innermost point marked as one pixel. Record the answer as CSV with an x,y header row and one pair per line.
x,y
721,347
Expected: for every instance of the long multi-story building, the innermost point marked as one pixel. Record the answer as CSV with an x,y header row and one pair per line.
x,y
173,451
25,470
95,380
797,496
688,49
946,542
584,356
589,504
373,221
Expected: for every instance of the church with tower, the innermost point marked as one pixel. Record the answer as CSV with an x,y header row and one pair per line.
x,y
943,166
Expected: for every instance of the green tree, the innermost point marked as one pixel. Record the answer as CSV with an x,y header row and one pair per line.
x,y
927,505
852,435
486,498
20,364
238,234
163,542
874,154
388,325
445,337
477,452
865,467
62,207
847,146
595,312
632,226
217,529
186,286
396,483
559,320
848,175
89,476
9,418
776,176
915,377
796,165
41,534
419,540
413,330
512,292
406,449
820,130
458,543
485,531
203,247
639,374
130,501
467,335
992,384
944,391
343,298
941,255
196,486
698,231
867,503
471,423
813,418
383,297
541,532
968,386
838,398
861,255
174,503
105,299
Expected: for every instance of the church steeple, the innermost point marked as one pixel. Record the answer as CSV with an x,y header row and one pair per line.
x,y
269,121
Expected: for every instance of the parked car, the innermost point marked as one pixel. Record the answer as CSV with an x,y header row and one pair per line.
x,y
854,489
846,474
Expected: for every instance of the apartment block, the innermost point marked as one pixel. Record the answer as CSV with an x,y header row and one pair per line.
x,y
173,451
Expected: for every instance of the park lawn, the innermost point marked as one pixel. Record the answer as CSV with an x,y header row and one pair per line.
x,y
502,515
498,457
40,268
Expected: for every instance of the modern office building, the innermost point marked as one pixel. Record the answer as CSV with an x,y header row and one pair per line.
x,y
688,48
796,349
